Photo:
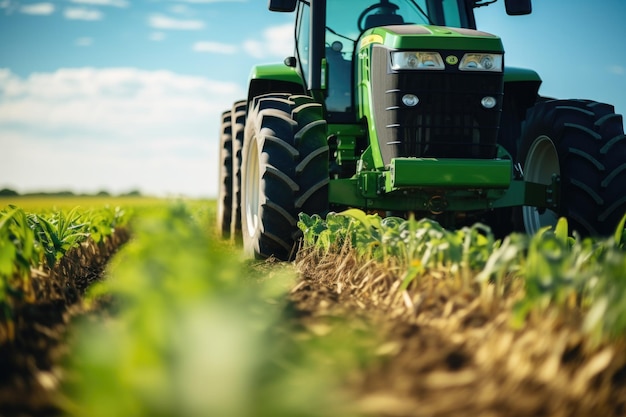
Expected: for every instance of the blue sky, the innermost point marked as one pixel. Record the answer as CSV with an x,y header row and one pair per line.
x,y
119,95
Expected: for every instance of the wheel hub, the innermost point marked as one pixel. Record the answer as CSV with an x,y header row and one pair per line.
x,y
542,165
251,190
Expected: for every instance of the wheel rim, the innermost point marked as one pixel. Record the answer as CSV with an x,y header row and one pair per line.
x,y
251,189
542,162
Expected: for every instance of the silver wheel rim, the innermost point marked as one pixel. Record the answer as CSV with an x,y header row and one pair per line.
x,y
542,162
251,188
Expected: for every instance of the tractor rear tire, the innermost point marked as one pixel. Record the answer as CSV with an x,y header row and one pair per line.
x,y
284,172
225,191
238,124
583,143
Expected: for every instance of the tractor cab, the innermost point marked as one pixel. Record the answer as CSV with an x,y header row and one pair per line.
x,y
347,23
340,25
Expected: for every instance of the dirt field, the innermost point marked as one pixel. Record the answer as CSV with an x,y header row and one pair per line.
x,y
451,350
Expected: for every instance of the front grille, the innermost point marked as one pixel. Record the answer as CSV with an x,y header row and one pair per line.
x,y
449,120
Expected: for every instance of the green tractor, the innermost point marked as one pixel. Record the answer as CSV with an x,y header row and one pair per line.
x,y
400,107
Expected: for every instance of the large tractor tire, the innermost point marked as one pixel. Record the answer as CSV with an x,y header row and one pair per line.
x,y
225,190
583,144
284,172
238,124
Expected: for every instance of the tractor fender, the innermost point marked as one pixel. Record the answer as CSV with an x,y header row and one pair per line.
x,y
521,91
521,87
274,78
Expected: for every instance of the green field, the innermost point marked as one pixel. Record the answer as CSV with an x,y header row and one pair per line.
x,y
52,203
374,317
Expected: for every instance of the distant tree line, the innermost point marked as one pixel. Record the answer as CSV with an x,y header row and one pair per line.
x,y
7,192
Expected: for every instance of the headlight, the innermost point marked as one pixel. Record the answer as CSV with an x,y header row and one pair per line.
x,y
416,61
481,62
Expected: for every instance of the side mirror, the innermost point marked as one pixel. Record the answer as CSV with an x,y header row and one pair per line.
x,y
282,5
518,7
290,61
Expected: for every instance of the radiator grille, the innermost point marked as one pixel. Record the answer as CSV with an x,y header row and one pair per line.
x,y
449,120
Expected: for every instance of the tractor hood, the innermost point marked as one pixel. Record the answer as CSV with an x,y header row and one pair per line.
x,y
431,38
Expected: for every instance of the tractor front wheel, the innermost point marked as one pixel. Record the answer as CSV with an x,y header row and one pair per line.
x,y
284,172
582,145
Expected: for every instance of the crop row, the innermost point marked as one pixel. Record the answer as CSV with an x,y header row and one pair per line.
x,y
33,246
556,268
197,330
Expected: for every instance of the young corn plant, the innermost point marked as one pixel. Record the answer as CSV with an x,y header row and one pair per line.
x,y
103,222
17,253
40,240
558,269
606,290
197,333
59,232
413,244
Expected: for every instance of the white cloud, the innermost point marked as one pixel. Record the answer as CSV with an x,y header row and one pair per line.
x,y
179,9
280,39
255,48
276,41
81,13
114,3
9,6
114,129
157,36
41,9
617,69
215,47
84,41
159,21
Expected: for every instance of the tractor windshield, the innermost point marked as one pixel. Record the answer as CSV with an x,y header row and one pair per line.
x,y
347,19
